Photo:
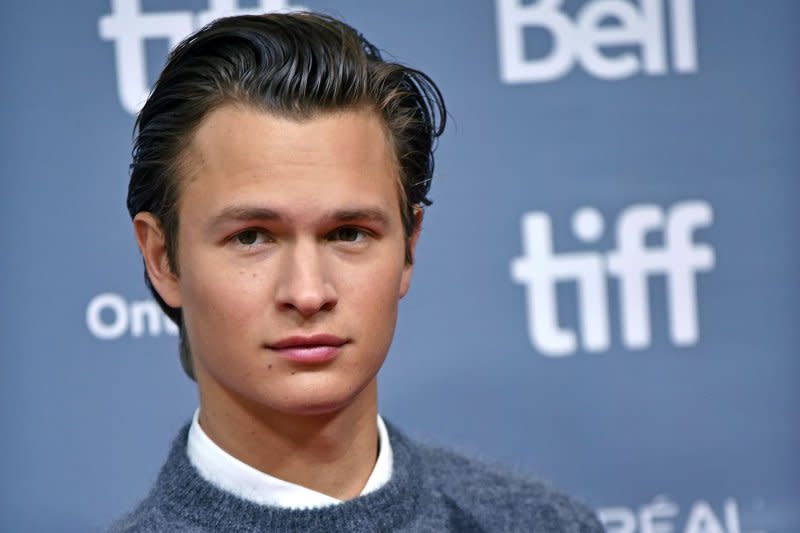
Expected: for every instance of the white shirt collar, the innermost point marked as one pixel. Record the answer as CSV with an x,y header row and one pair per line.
x,y
230,474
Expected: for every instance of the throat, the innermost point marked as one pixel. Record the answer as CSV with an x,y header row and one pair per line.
x,y
331,455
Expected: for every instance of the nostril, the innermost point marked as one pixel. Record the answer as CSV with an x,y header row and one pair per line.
x,y
309,305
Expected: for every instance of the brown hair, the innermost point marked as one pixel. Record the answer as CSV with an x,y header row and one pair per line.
x,y
290,64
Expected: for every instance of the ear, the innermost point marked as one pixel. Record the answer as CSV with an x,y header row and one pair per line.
x,y
408,268
152,244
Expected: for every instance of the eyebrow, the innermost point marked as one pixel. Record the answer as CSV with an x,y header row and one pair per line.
x,y
353,215
243,212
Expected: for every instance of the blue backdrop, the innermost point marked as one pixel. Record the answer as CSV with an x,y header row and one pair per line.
x,y
606,292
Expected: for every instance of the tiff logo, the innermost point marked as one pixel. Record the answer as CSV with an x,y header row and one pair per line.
x,y
128,28
631,264
598,25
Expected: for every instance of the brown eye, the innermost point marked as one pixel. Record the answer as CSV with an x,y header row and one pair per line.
x,y
248,237
348,234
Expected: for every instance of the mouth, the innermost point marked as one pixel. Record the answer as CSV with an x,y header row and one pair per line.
x,y
310,349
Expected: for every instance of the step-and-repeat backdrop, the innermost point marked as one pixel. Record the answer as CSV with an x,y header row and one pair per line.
x,y
606,292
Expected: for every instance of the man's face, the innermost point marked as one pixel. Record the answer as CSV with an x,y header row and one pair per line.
x,y
289,230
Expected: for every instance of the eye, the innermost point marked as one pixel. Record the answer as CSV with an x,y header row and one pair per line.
x,y
250,237
348,234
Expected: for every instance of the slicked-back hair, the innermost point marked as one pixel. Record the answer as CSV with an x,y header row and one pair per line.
x,y
293,65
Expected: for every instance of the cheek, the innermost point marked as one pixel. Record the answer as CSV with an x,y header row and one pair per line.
x,y
220,304
375,295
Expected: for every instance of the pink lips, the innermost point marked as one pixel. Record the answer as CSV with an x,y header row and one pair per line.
x,y
311,349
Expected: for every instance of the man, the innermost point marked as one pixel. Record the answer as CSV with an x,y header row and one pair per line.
x,y
277,185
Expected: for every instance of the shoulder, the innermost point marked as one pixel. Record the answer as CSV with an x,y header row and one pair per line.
x,y
144,519
152,514
500,500
148,518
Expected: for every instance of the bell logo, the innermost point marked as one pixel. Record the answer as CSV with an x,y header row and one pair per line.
x,y
128,28
641,24
631,264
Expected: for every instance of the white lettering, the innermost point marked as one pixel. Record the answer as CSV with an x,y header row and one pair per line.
x,y
684,39
598,24
141,311
138,318
731,512
170,328
661,516
107,330
630,29
540,269
512,18
632,263
128,28
617,519
703,520
684,260
658,516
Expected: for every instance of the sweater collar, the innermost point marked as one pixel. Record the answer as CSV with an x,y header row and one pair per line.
x,y
228,473
180,492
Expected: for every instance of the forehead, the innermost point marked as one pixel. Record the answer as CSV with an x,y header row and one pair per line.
x,y
240,154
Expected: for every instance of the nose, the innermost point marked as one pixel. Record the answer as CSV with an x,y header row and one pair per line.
x,y
305,284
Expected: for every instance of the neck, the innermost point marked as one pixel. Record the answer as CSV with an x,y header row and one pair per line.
x,y
333,453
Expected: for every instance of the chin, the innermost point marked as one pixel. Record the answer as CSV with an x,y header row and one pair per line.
x,y
307,397
313,409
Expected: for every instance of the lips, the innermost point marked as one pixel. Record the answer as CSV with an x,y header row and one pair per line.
x,y
317,348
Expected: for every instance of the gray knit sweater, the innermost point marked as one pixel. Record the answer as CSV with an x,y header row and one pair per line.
x,y
431,490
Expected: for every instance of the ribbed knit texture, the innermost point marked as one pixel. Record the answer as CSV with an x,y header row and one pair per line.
x,y
431,490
